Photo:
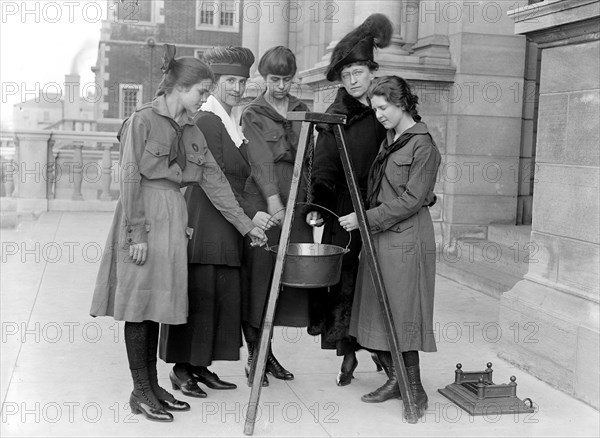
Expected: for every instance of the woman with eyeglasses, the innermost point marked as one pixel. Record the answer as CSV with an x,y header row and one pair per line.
x,y
351,63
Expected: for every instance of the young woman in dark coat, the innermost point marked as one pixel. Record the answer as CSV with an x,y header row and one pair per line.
x,y
272,145
215,250
352,63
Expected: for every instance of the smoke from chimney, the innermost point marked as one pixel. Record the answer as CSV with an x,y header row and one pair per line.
x,y
78,65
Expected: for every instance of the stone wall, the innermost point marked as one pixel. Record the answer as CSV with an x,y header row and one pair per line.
x,y
558,299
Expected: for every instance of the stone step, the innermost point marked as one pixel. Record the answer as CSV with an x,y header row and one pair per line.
x,y
510,235
492,282
511,260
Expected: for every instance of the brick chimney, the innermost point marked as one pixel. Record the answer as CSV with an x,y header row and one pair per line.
x,y
72,102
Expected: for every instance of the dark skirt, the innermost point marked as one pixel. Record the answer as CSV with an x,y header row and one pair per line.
x,y
213,329
257,271
330,313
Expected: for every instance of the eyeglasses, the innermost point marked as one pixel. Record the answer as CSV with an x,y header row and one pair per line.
x,y
356,74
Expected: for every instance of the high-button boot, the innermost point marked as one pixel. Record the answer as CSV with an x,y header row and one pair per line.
x,y
390,388
251,350
143,400
276,369
165,397
417,390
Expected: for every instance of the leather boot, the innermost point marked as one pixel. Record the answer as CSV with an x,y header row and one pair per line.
x,y
276,369
143,400
390,388
251,349
417,390
167,400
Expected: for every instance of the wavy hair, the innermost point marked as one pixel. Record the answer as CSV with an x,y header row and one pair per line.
x,y
397,91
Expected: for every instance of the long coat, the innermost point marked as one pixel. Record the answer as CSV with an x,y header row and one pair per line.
x,y
405,243
152,210
272,146
363,133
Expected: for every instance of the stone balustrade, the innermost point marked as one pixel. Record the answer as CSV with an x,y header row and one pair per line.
x,y
45,170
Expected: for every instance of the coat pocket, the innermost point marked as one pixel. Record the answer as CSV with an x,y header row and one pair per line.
x,y
197,158
155,159
401,236
279,147
400,170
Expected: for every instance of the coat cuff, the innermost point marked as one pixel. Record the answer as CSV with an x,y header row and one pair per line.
x,y
375,220
136,234
246,225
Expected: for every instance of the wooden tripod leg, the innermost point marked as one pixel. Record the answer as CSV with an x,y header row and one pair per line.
x,y
260,356
368,251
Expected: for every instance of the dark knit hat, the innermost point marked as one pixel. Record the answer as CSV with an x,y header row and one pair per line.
x,y
358,45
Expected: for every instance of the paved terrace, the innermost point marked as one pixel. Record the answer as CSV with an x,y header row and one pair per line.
x,y
65,373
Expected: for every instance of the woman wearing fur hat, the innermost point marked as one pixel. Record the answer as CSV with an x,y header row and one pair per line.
x,y
351,62
213,330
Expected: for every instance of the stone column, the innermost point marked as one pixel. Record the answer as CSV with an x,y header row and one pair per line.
x,y
250,31
32,153
106,172
432,45
343,20
77,171
410,22
555,307
274,28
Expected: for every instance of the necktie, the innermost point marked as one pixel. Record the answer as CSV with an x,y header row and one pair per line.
x,y
177,153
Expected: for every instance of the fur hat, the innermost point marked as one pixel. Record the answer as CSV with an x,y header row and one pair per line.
x,y
358,45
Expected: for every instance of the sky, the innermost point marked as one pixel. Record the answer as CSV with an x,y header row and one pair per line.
x,y
41,41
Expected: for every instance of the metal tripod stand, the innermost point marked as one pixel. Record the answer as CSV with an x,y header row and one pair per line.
x,y
260,359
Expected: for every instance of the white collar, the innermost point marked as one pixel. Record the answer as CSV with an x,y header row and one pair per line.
x,y
234,129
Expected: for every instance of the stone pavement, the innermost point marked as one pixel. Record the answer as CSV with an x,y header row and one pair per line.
x,y
64,373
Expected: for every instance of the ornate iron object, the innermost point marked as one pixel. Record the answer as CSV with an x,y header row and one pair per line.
x,y
476,393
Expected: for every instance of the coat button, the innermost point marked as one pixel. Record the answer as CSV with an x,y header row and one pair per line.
x,y
130,240
177,173
195,147
130,230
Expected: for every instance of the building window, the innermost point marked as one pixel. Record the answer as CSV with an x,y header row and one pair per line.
x,y
130,97
207,17
221,15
